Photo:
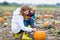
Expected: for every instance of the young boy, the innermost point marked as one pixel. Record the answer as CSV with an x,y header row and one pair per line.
x,y
30,17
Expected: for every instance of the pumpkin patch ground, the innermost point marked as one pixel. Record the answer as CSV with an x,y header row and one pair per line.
x,y
44,19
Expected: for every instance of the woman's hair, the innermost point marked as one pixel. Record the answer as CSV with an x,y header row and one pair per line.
x,y
24,8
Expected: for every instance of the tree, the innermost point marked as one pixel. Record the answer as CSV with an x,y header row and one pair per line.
x,y
0,3
58,4
5,3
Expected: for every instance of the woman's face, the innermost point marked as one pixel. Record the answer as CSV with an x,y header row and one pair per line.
x,y
26,12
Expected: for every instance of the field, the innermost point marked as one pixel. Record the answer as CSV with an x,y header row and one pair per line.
x,y
5,32
39,8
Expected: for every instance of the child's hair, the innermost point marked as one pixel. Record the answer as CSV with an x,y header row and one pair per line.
x,y
32,7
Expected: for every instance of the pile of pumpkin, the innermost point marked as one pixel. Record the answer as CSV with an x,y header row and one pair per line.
x,y
50,24
46,17
41,35
37,35
4,18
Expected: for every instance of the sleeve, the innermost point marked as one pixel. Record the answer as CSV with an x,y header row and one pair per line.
x,y
21,25
17,11
34,17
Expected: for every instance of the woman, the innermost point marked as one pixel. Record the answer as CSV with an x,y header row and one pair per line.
x,y
17,20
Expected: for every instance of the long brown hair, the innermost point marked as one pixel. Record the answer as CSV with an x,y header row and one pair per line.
x,y
24,8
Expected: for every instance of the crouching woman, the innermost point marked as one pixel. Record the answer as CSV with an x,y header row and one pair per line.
x,y
17,24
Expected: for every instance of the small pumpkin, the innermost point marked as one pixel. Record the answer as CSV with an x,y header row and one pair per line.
x,y
39,17
54,22
51,16
5,17
39,35
1,20
7,13
6,24
46,24
46,16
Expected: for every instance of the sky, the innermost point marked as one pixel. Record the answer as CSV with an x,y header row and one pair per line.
x,y
33,1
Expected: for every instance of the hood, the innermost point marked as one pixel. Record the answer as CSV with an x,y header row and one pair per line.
x,y
17,11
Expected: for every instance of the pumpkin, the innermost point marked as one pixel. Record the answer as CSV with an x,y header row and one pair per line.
x,y
39,35
51,16
39,17
1,20
46,16
7,13
54,22
46,24
6,24
5,17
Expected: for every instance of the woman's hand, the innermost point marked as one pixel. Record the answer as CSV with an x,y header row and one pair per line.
x,y
34,29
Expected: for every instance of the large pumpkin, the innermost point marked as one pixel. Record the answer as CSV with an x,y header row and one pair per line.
x,y
46,24
39,35
7,13
1,20
46,16
39,17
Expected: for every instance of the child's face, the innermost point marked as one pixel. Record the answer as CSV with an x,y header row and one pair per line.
x,y
32,11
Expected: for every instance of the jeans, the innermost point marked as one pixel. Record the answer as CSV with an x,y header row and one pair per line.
x,y
29,22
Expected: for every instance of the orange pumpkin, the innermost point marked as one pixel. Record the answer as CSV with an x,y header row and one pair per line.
x,y
1,20
46,16
7,13
5,17
39,17
39,35
46,24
